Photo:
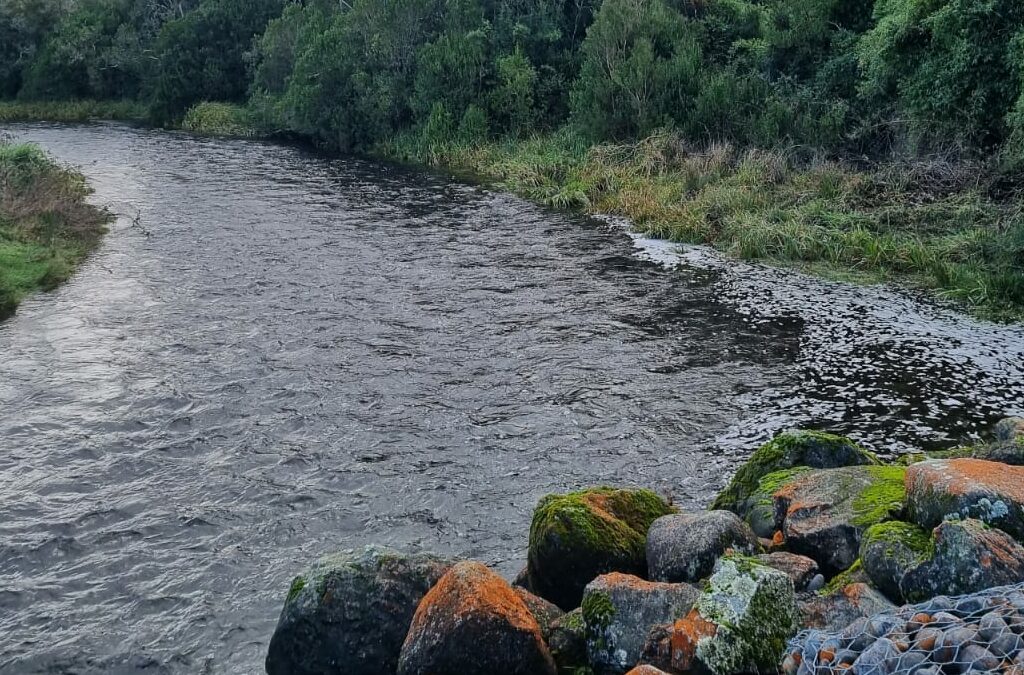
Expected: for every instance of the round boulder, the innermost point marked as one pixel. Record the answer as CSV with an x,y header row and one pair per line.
x,y
686,546
472,623
574,538
350,612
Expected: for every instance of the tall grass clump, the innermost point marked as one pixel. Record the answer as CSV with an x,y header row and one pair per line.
x,y
220,119
46,226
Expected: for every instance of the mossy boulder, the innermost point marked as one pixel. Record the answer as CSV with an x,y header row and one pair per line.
x,y
759,509
823,514
968,556
889,550
472,623
575,538
967,488
814,449
685,546
740,624
619,610
1008,446
350,612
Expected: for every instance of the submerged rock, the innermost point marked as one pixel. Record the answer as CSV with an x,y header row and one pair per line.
x,y
823,514
472,623
967,488
619,611
685,546
739,625
576,537
788,450
350,613
800,569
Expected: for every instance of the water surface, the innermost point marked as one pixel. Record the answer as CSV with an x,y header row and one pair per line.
x,y
276,355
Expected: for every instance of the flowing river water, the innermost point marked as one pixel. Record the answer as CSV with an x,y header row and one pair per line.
x,y
275,355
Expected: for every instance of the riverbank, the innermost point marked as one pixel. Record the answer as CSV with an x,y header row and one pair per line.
x,y
800,562
46,226
953,228
71,111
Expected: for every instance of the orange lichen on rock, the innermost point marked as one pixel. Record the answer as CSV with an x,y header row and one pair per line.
x,y
686,635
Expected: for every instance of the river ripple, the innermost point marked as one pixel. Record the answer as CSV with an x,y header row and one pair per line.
x,y
275,355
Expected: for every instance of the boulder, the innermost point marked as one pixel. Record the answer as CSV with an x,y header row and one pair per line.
x,y
788,450
1008,446
546,613
968,556
967,488
568,641
574,538
350,612
646,670
619,611
739,625
841,607
472,623
823,514
890,550
800,569
685,546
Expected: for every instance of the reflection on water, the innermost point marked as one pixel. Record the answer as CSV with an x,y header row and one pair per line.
x,y
276,355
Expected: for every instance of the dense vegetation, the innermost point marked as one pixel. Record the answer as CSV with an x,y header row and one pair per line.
x,y
878,135
46,226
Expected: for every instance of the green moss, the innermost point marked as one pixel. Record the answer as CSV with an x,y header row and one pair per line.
x,y
883,499
897,533
298,583
786,451
843,579
597,610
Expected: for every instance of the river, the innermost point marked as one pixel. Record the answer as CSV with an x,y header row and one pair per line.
x,y
275,355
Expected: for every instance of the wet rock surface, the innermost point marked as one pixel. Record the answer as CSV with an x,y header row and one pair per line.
x,y
620,610
800,569
472,623
350,613
685,546
967,488
835,610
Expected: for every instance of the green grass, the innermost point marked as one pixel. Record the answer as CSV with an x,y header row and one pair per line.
x,y
46,226
70,111
220,119
924,224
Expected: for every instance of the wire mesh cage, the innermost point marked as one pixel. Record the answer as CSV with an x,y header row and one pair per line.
x,y
978,633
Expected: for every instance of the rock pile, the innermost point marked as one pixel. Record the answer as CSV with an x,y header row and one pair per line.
x,y
813,532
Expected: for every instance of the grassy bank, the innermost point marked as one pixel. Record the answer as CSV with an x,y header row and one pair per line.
x,y
220,119
950,227
70,111
46,226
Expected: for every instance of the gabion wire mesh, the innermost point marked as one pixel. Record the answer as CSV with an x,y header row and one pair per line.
x,y
977,633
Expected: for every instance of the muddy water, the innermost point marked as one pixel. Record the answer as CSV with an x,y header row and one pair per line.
x,y
275,355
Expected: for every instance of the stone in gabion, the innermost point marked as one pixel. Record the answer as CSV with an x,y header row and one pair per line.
x,y
975,633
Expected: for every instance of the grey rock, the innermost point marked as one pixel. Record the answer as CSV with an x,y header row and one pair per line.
x,y
1009,429
832,612
890,550
684,547
822,514
546,613
350,613
992,492
969,557
568,641
799,568
619,611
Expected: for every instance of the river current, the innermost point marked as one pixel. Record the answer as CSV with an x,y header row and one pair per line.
x,y
275,355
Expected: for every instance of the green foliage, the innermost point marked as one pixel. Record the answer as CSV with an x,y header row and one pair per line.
x,y
46,227
200,57
219,119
